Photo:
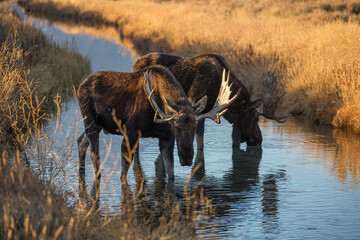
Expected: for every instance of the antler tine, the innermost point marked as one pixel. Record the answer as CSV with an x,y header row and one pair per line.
x,y
149,91
270,98
222,102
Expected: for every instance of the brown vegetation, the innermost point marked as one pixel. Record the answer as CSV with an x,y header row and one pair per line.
x,y
34,209
32,71
312,46
30,208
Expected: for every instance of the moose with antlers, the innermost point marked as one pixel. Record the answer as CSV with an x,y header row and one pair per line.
x,y
149,102
200,76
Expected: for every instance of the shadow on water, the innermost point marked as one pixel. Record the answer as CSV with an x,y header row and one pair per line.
x,y
304,181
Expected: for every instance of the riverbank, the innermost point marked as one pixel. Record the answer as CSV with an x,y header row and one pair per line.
x,y
312,46
33,72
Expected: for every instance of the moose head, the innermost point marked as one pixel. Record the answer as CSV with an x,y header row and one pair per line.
x,y
184,117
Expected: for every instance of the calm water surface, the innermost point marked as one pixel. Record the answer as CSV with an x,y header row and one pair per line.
x,y
303,184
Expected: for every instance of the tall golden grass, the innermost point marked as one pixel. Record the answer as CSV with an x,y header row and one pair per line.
x,y
32,71
313,46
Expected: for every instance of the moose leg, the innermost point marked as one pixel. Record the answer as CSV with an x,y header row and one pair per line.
x,y
199,135
83,144
92,134
137,165
93,138
200,165
138,170
137,155
126,154
236,135
167,152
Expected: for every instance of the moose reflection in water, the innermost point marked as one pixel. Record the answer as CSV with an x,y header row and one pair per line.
x,y
242,183
237,187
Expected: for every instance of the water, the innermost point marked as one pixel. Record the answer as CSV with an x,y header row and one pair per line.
x,y
303,184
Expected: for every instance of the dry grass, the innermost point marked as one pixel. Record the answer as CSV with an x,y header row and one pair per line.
x,y
30,209
313,46
36,209
32,70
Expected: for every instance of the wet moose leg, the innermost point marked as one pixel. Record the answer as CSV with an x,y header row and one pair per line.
x,y
83,144
167,152
199,134
236,135
127,154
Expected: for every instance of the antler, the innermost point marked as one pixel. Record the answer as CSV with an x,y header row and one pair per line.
x,y
149,90
270,98
222,102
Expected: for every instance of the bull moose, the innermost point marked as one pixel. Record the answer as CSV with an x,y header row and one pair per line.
x,y
200,76
149,101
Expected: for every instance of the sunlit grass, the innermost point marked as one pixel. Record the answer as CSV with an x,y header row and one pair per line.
x,y
33,71
313,46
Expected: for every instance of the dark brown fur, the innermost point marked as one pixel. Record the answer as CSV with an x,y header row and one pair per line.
x,y
105,91
201,76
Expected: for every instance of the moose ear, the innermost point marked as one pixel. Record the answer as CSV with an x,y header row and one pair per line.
x,y
200,105
255,104
171,106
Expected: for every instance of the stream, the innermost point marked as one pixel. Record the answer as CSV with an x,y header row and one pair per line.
x,y
303,184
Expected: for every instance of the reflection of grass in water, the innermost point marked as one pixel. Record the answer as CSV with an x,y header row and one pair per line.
x,y
338,151
346,162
